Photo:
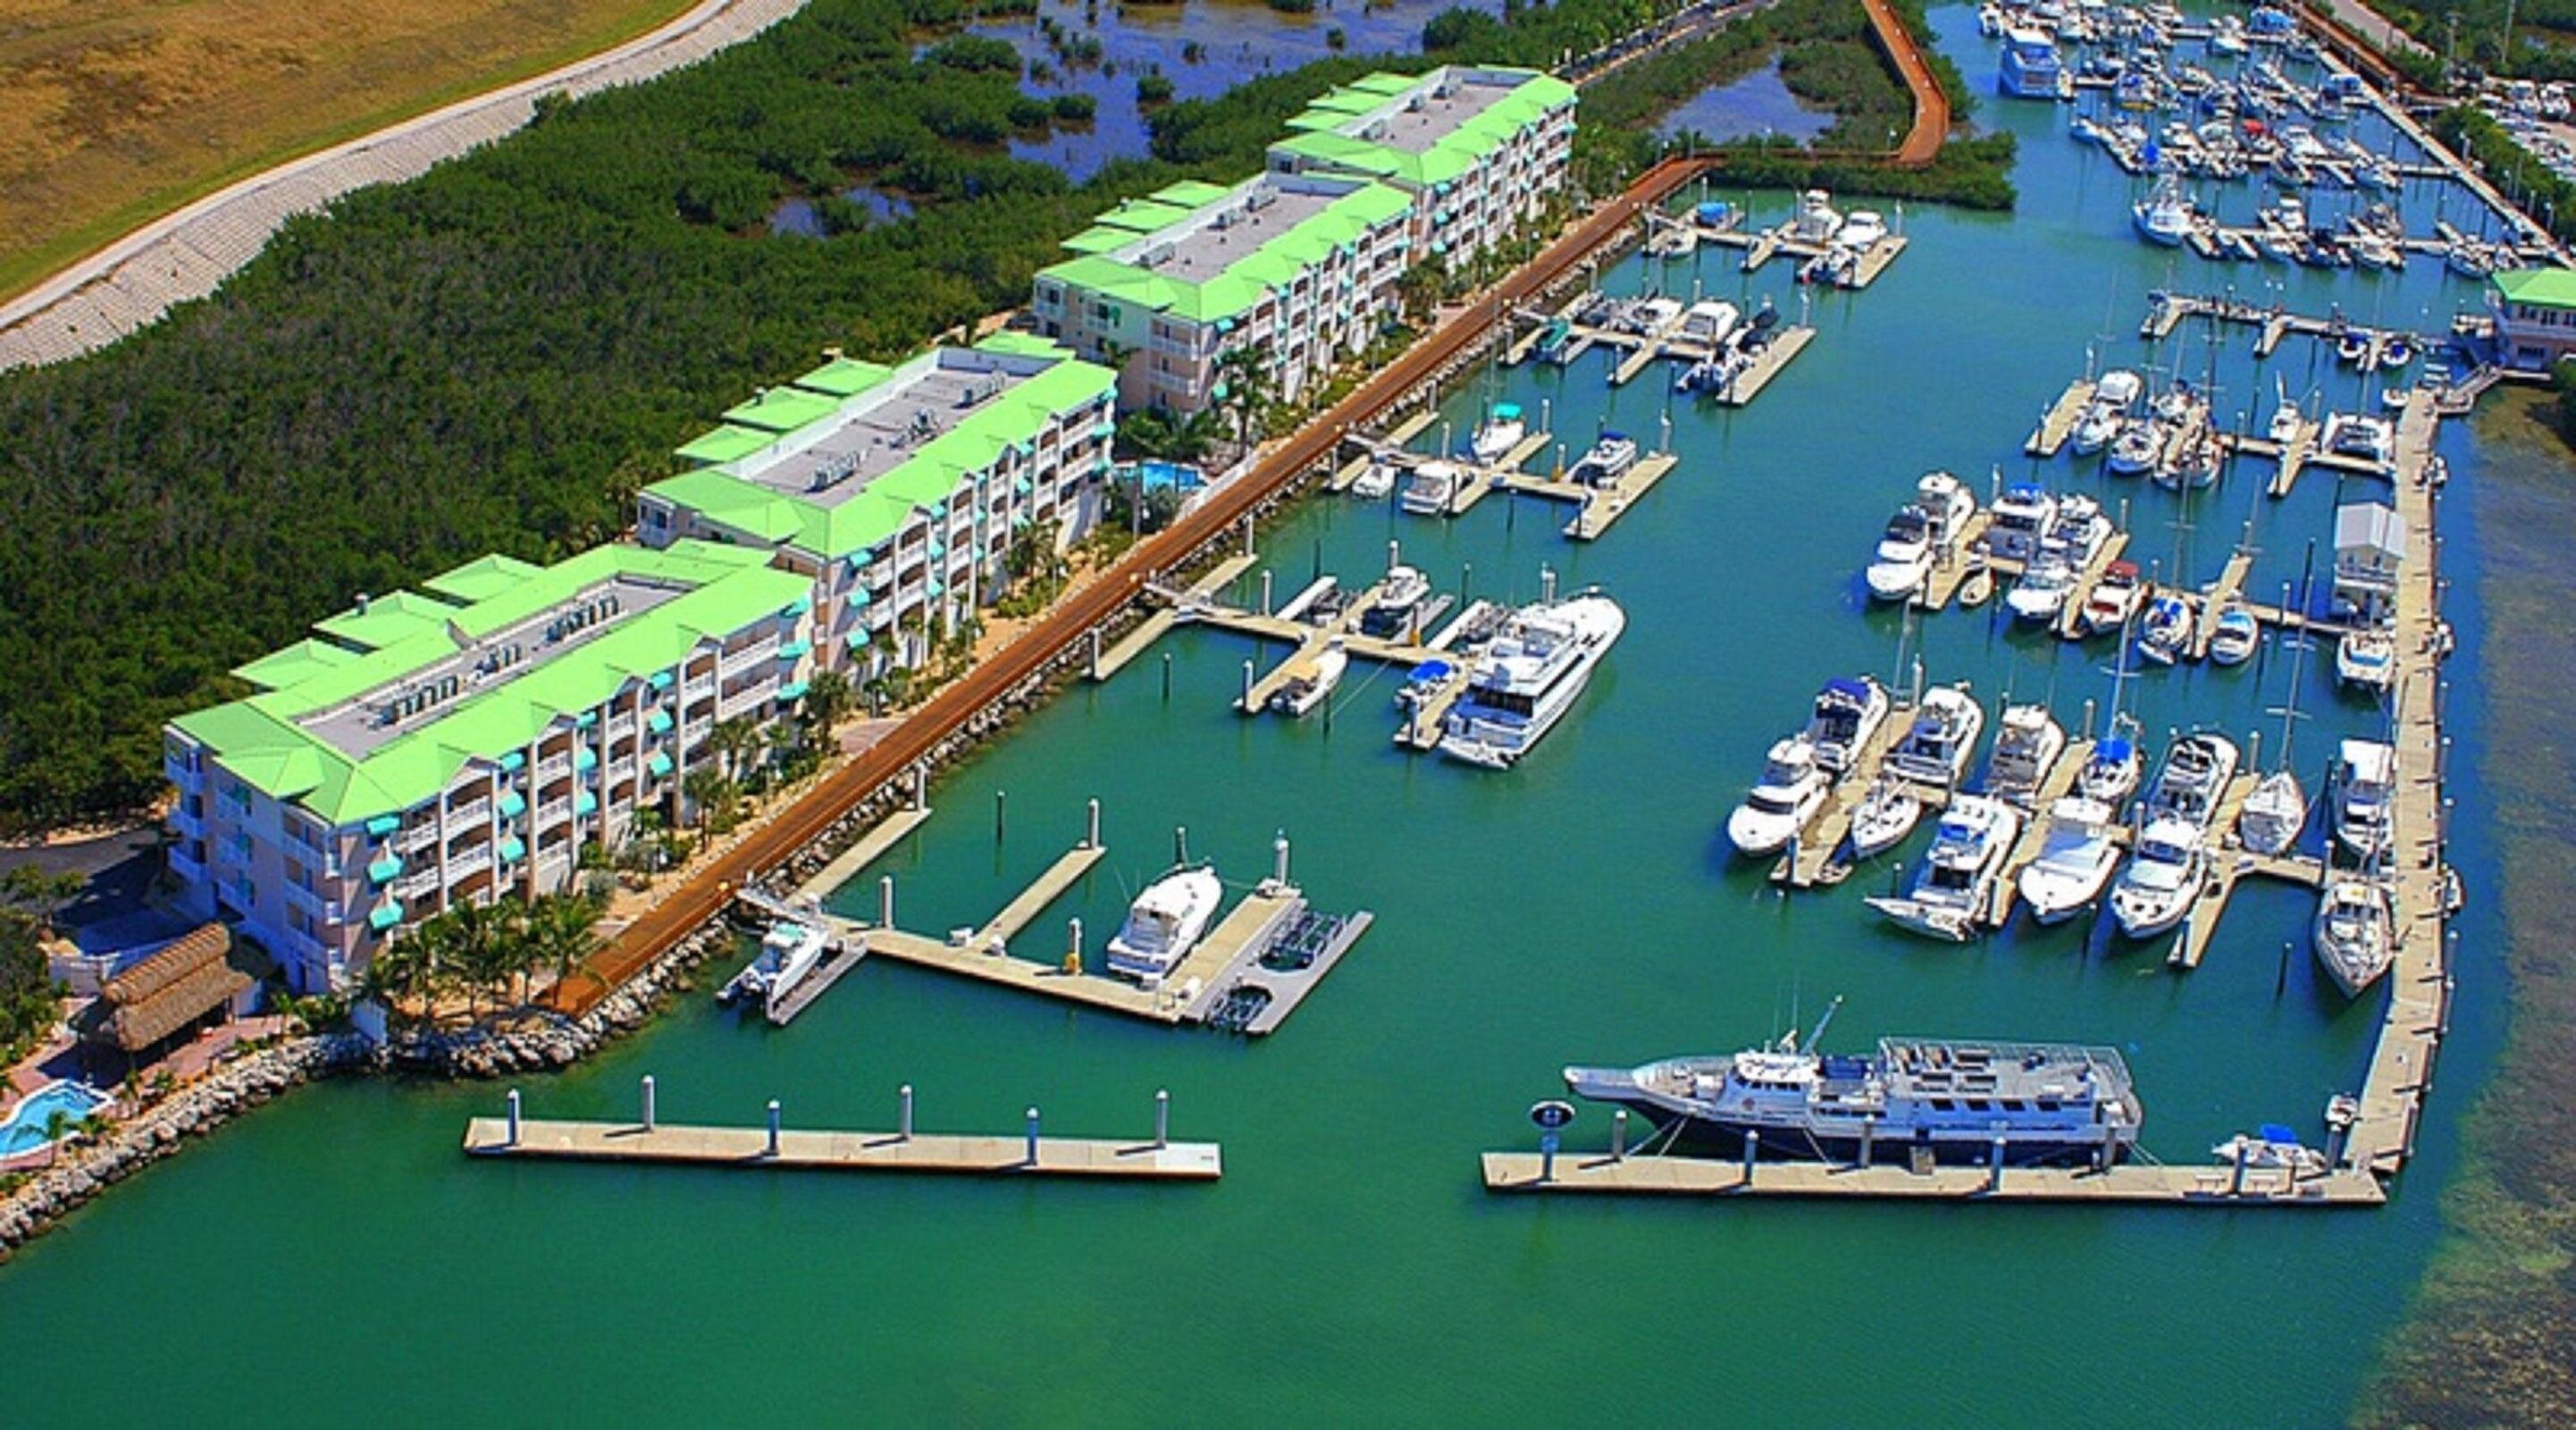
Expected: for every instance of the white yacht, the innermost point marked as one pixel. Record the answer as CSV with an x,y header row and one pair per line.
x,y
1165,922
1816,221
1918,534
1861,230
2139,447
2111,772
1608,461
2113,599
1946,725
1431,488
1792,788
1711,321
2354,932
2028,741
2075,860
1399,597
1887,813
2193,779
1529,676
2080,528
2286,419
2367,657
2365,792
1956,884
790,951
2115,397
2040,594
2352,434
2166,214
1302,693
2164,633
1376,482
2163,877
2234,636
2022,517
1848,711
1501,432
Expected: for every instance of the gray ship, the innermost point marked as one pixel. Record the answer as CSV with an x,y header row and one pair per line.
x,y
1948,1099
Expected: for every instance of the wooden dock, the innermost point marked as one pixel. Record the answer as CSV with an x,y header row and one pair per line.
x,y
1951,569
2053,785
2058,422
1160,623
1820,843
1760,247
2227,864
2070,617
1791,340
1596,508
1598,1172
1393,439
749,1147
2215,598
872,846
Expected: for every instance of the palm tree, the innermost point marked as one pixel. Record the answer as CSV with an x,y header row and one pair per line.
x,y
1245,371
57,1122
561,933
829,699
707,787
731,740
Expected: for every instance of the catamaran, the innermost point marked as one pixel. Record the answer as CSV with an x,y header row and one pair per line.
x,y
1529,676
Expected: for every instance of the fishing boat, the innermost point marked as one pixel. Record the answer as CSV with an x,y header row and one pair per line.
x,y
2166,215
1862,231
2164,632
2233,638
1500,433
1303,692
1165,922
1887,812
2112,601
2075,862
1848,711
1792,788
2367,658
1936,747
1951,1100
1431,488
2110,774
2028,741
1917,536
2164,875
2354,932
1955,885
1398,598
1711,322
2354,434
790,951
1608,461
2365,794
2021,521
1527,678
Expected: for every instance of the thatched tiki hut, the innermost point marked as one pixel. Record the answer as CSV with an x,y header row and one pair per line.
x,y
163,1001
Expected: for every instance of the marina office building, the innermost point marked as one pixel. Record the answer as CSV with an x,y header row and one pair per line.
x,y
464,742
896,492
2535,315
1300,262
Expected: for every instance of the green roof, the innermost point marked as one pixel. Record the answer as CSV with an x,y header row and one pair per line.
x,y
1242,283
297,662
853,523
1324,135
781,409
261,742
844,377
2537,287
726,444
387,620
483,579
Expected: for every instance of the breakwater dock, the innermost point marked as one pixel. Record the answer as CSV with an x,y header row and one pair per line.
x,y
2142,1184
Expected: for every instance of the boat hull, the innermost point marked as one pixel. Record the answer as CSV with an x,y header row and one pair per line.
x,y
1788,1142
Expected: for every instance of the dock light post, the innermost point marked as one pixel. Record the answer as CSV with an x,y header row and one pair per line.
x,y
1243,702
1001,799
885,902
1073,944
1265,593
903,1112
648,1102
1868,1140
1279,858
1752,1153
1033,1136
1546,414
1666,445
1091,825
1619,1135
1995,1166
1162,1117
1094,671
514,1119
773,1127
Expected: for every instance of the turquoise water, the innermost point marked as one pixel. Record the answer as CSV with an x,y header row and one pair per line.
x,y
25,1129
1579,908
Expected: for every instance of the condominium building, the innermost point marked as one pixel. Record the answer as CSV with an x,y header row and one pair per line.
x,y
2535,315
898,491
1478,150
465,742
1300,269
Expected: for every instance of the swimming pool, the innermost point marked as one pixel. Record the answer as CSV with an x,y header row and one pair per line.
x,y
1156,475
25,1129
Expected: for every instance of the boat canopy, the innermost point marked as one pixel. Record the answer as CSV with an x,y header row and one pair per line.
x,y
1507,412
1430,671
2024,492
2128,569
2115,750
2279,1132
1613,435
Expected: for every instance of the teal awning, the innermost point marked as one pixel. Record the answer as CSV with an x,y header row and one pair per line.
x,y
585,759
659,722
1217,392
1225,325
514,761
1022,486
794,650
386,870
588,719
798,607
855,639
660,764
512,805
385,915
511,850
938,549
1104,429
937,588
585,803
792,690
861,598
662,680
384,824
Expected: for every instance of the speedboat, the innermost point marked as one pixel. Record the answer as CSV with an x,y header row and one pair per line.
x,y
1399,596
1500,433
2075,861
1935,750
2274,813
1528,677
2163,877
2139,447
2367,657
2045,583
1885,815
2354,932
2028,741
2166,214
2233,638
2193,779
1299,697
1165,922
2021,521
2113,600
2354,434
1376,482
2164,633
1792,788
1955,886
2275,1148
1816,222
1847,714
1861,230
1608,461
2365,790
2110,774
790,951
1431,489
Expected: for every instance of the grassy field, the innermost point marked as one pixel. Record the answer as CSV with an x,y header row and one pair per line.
x,y
118,111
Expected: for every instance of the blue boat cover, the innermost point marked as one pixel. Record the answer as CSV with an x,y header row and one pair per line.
x,y
1846,685
1430,670
1507,411
1612,436
2116,751
2024,491
2275,1132
1715,211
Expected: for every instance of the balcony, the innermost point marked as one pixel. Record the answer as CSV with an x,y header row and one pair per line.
x,y
186,825
307,949
185,869
701,687
460,865
417,837
416,885
553,811
188,780
300,897
735,662
466,816
553,768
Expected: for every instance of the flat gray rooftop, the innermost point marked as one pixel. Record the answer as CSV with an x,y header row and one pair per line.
x,y
1415,130
357,728
1206,250
889,425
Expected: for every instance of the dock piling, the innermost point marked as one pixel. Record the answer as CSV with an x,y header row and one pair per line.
x,y
1180,844
514,1117
1279,859
1001,798
1265,593
1162,1117
885,902
1092,671
921,786
773,1127
1073,944
1752,1153
648,1102
1091,825
1167,677
1033,1137
903,1112
1244,701
1995,1166
1547,1145
1619,1135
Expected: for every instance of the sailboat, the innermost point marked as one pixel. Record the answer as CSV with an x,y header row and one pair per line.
x,y
2278,808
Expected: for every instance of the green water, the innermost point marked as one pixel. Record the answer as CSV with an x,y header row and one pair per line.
x,y
335,1255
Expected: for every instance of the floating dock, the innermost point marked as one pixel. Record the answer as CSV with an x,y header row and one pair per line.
x,y
794,1150
1783,242
2058,422
1599,1172
1160,623
1814,857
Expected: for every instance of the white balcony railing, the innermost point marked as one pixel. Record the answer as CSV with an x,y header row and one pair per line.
x,y
460,865
300,897
553,811
185,869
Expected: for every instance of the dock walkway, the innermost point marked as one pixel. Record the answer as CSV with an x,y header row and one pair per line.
x,y
749,1148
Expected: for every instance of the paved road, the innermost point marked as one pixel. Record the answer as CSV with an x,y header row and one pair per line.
x,y
186,254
